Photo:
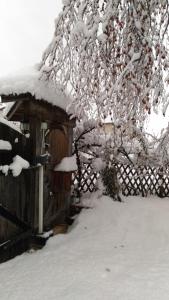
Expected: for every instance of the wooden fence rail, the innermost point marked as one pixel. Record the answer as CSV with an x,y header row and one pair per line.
x,y
143,180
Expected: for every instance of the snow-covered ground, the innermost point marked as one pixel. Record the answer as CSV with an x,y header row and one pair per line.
x,y
113,251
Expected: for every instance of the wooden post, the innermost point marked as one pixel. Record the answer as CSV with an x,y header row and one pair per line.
x,y
35,138
70,139
35,149
40,225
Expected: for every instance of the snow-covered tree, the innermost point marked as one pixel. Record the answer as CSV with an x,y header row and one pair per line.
x,y
112,56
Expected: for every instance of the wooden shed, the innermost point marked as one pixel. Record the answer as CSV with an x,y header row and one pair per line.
x,y
40,195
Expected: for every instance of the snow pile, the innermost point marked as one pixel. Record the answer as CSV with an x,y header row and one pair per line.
x,y
113,251
4,169
18,164
5,145
67,164
28,81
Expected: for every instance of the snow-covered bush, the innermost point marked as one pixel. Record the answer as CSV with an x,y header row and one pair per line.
x,y
110,181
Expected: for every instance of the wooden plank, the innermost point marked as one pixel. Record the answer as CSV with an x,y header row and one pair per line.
x,y
17,195
15,246
13,218
13,109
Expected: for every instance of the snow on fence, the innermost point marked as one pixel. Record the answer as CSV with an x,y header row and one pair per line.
x,y
143,180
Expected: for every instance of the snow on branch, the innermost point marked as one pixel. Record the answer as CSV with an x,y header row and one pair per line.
x,y
113,58
111,55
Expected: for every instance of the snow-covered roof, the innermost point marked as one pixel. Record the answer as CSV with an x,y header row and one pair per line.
x,y
30,81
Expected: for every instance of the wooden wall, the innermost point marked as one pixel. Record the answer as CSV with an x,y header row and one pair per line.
x,y
17,195
20,194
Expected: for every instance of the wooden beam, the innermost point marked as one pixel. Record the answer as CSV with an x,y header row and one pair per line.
x,y
15,97
25,105
13,109
5,213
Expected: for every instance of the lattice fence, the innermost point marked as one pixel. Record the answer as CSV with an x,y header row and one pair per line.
x,y
88,179
143,180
